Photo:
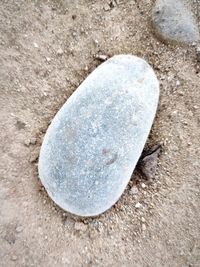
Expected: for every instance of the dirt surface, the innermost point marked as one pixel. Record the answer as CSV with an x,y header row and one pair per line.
x,y
47,48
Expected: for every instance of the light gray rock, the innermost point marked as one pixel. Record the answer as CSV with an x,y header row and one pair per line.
x,y
94,142
173,21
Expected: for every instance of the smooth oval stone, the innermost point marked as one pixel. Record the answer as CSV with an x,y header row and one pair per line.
x,y
95,140
173,21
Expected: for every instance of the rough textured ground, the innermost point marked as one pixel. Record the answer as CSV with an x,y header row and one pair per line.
x,y
47,49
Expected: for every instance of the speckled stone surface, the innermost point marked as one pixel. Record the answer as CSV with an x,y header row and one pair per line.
x,y
173,21
95,140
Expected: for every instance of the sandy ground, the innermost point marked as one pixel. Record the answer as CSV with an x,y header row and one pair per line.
x,y
47,49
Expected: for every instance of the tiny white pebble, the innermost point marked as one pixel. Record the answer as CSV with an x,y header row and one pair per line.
x,y
60,52
107,7
138,205
14,258
134,190
35,45
101,57
19,229
143,227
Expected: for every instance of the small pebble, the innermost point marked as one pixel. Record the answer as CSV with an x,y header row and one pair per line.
x,y
60,52
138,205
48,59
69,222
20,125
33,157
195,107
35,45
19,229
148,163
143,227
174,22
106,7
14,258
143,185
80,226
33,141
134,190
101,57
27,142
181,93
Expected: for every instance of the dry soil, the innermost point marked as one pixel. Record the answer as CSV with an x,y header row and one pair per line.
x,y
47,48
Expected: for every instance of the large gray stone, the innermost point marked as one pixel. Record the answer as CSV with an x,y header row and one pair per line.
x,y
173,21
94,142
